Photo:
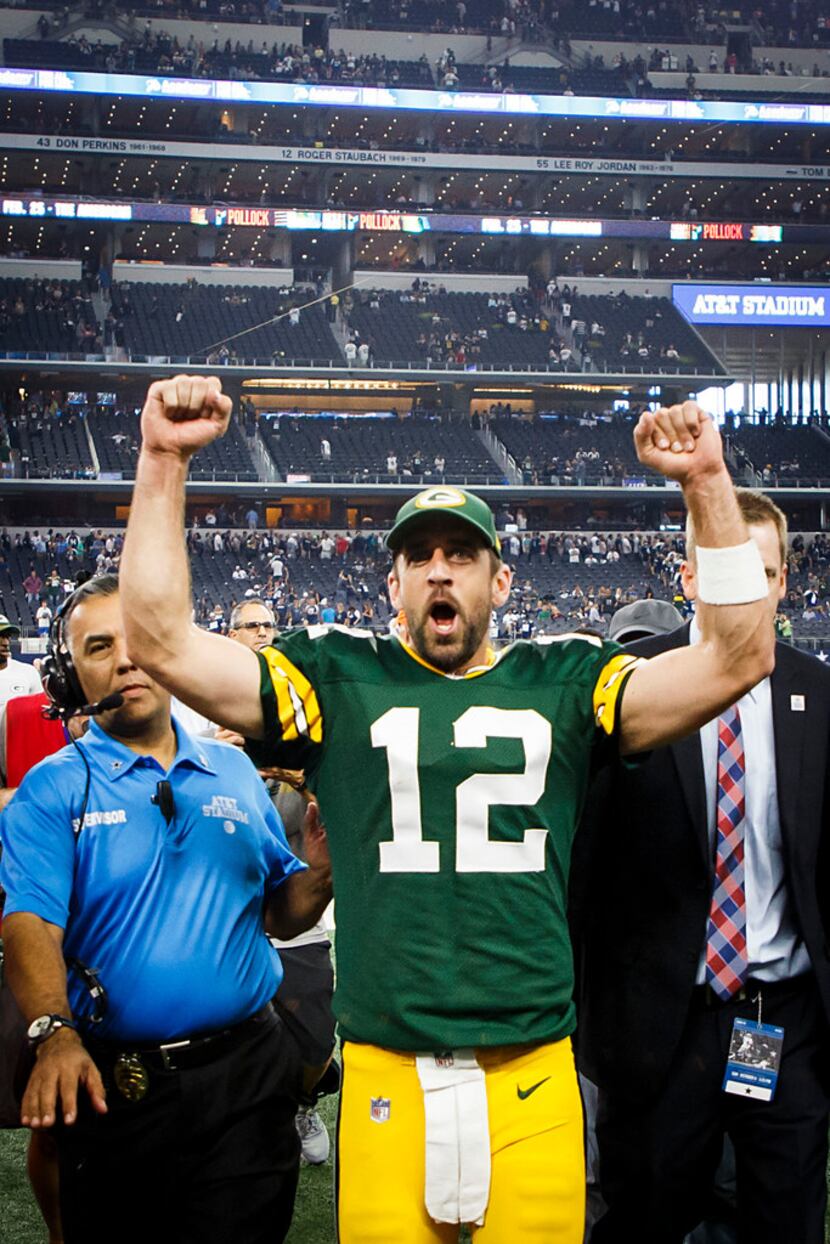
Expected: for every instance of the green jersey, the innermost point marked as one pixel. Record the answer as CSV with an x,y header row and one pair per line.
x,y
451,804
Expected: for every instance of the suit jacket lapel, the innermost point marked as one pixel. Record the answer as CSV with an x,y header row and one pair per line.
x,y
688,759
687,754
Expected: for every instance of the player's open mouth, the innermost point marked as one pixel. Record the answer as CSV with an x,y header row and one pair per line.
x,y
444,617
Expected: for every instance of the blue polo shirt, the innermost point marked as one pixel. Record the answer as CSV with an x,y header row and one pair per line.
x,y
169,915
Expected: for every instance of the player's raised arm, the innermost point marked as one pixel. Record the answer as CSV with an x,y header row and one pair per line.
x,y
212,674
676,692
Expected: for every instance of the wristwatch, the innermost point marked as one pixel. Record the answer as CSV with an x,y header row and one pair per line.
x,y
45,1026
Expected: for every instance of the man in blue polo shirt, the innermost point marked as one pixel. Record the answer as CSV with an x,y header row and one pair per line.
x,y
141,868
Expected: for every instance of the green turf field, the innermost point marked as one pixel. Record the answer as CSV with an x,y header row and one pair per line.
x,y
20,1222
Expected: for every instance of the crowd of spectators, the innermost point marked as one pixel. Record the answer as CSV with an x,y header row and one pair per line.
x,y
504,18
442,344
153,51
62,310
666,60
268,12
575,453
794,23
427,446
157,52
808,594
779,23
426,324
618,332
563,580
54,435
556,572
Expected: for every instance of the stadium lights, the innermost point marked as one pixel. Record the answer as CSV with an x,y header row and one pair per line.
x,y
336,385
504,392
585,388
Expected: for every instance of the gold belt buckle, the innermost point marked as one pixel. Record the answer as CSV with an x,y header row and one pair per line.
x,y
131,1078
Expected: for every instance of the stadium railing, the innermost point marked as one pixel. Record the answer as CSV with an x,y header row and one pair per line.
x,y
393,366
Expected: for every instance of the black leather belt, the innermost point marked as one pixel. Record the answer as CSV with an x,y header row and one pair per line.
x,y
189,1052
704,996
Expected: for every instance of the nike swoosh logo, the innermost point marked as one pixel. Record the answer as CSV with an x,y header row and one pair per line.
x,y
523,1093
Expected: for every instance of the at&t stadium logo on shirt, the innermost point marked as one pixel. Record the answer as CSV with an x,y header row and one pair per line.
x,y
224,806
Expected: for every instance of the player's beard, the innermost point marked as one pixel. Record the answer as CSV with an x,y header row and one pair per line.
x,y
450,653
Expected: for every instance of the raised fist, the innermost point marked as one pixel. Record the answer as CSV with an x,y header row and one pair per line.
x,y
681,442
183,414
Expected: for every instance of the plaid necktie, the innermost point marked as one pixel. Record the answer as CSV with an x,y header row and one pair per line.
x,y
726,965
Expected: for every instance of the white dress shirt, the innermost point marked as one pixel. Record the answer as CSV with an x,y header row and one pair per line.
x,y
775,949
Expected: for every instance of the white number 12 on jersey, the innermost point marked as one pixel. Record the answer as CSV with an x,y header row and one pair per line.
x,y
475,851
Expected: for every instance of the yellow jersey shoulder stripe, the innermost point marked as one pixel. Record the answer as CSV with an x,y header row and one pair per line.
x,y
608,688
297,703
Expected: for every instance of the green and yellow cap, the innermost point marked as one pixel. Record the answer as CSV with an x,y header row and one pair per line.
x,y
444,500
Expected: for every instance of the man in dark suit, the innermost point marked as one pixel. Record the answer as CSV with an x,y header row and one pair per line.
x,y
688,920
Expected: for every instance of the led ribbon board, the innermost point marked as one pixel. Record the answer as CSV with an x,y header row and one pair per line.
x,y
313,220
405,99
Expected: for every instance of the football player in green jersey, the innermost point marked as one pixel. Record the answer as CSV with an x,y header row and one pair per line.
x,y
450,778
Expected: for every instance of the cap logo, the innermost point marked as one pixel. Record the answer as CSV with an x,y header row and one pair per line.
x,y
442,498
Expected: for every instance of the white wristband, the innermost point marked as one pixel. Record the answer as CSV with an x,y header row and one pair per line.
x,y
731,576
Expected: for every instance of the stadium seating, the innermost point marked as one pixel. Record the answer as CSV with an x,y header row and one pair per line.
x,y
52,448
539,579
610,570
360,448
117,438
213,575
425,14
15,564
53,316
569,450
166,57
623,19
785,455
548,448
628,322
195,320
552,80
399,329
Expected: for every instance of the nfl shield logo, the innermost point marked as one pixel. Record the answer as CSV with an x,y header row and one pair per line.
x,y
446,1059
379,1109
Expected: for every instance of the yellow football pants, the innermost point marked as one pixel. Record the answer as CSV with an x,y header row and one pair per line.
x,y
537,1186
